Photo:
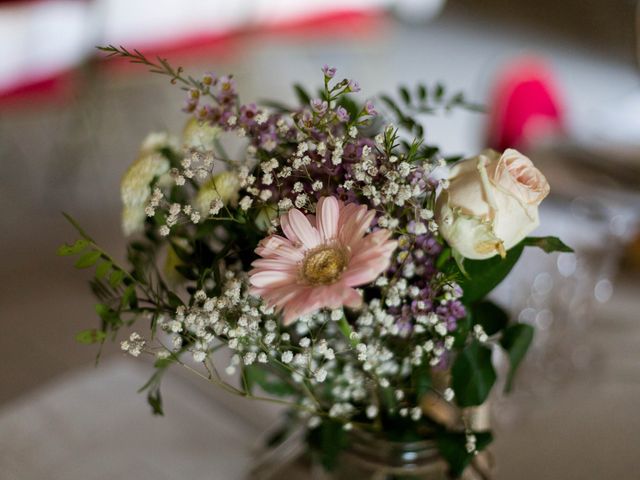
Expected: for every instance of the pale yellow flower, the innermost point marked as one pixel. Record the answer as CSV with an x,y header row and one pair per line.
x,y
223,186
199,135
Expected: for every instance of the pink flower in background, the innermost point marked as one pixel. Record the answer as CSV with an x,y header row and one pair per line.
x,y
320,259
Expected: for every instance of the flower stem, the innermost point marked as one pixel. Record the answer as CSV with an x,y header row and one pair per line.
x,y
347,331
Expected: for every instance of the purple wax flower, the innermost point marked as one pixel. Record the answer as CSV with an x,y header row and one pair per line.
x,y
248,114
370,108
328,71
209,78
189,106
342,114
319,106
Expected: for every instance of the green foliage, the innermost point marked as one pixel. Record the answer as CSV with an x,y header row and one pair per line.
x,y
103,268
88,259
473,375
91,336
327,441
75,248
159,65
452,446
421,380
485,275
490,316
423,100
152,387
548,244
301,94
482,276
516,340
267,381
154,399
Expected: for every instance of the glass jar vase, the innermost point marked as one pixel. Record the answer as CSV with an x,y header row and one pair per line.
x,y
370,457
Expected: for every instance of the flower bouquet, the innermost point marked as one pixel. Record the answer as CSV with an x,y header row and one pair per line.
x,y
338,259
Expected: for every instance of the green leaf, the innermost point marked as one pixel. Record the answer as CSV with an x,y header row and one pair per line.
x,y
473,375
181,253
77,247
516,341
459,259
421,380
452,446
187,272
259,375
174,300
163,363
278,436
388,101
405,95
548,244
422,93
102,269
103,310
485,275
116,278
443,258
462,332
88,259
327,441
91,336
155,401
302,95
129,297
490,316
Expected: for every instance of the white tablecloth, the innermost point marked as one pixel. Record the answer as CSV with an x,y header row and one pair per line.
x,y
92,425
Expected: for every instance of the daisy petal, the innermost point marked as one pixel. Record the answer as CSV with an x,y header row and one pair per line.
x,y
302,229
328,216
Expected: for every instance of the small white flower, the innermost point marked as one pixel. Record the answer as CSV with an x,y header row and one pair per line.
x,y
314,422
372,411
134,345
199,356
416,413
320,375
246,203
448,394
261,118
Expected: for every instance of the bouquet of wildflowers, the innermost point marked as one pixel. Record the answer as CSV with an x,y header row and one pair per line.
x,y
336,256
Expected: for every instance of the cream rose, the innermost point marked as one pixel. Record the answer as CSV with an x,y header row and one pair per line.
x,y
491,203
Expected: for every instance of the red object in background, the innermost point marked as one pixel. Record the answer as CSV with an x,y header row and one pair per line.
x,y
59,86
525,106
343,24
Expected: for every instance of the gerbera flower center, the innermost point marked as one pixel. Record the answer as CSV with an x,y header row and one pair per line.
x,y
324,265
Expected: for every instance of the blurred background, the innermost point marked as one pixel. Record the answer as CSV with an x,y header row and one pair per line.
x,y
560,81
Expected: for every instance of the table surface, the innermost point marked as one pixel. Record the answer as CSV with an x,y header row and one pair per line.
x,y
92,425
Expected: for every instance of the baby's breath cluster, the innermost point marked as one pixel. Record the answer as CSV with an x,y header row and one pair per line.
x,y
291,159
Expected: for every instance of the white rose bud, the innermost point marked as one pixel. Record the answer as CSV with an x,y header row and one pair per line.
x,y
491,203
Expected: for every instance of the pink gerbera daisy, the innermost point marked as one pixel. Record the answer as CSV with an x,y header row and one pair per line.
x,y
320,259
